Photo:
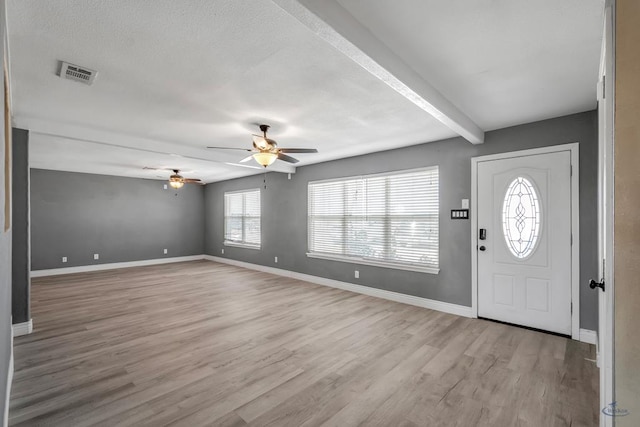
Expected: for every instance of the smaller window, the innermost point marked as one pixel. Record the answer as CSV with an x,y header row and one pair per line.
x,y
242,218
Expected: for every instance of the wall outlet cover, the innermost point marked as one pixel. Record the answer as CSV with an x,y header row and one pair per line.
x,y
276,259
165,251
357,274
96,256
465,204
64,259
222,251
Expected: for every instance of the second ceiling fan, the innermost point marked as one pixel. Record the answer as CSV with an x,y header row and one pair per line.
x,y
265,150
176,181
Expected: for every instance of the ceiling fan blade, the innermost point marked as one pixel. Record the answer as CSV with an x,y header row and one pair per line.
x,y
230,148
192,180
156,169
286,158
243,165
246,159
297,150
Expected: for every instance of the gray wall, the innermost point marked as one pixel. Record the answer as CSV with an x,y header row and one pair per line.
x,y
284,204
21,252
122,219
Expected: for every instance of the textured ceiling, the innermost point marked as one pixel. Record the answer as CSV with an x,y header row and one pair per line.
x,y
503,62
174,77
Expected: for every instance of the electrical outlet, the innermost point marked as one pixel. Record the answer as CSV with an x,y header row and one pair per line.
x,y
96,256
276,259
222,251
64,259
357,274
165,251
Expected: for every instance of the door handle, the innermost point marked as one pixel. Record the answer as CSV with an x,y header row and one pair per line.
x,y
482,248
593,284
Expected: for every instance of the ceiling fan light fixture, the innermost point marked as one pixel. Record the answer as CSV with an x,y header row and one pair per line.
x,y
266,150
176,181
265,158
176,184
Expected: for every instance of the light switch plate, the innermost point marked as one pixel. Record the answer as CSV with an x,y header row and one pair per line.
x,y
459,213
465,203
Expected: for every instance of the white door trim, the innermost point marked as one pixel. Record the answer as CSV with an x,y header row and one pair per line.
x,y
574,149
606,165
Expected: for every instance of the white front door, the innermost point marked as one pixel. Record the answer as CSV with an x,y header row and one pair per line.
x,y
524,240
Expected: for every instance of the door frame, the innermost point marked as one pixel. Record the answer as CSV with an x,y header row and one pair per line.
x,y
574,150
606,166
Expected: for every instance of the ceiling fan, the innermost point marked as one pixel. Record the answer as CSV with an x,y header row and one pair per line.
x,y
176,180
265,150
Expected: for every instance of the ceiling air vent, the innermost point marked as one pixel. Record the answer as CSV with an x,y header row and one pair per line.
x,y
77,73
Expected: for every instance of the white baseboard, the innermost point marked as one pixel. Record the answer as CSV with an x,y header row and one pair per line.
x,y
9,383
5,415
588,336
112,266
446,307
24,328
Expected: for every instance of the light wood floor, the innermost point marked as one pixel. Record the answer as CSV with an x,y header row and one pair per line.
x,y
202,343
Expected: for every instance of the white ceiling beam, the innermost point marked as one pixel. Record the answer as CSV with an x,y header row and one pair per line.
x,y
334,24
118,140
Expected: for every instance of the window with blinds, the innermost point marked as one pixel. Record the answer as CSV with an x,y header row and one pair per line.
x,y
242,218
389,220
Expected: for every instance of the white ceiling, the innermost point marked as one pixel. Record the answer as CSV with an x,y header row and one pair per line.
x,y
503,62
174,77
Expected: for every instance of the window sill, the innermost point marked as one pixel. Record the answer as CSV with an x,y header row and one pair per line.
x,y
430,270
240,245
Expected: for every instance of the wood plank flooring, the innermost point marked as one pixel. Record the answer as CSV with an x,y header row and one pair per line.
x,y
202,343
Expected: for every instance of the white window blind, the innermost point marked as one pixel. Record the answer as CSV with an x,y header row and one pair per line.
x,y
389,220
242,218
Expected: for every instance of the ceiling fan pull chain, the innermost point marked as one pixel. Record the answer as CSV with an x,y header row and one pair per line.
x,y
264,180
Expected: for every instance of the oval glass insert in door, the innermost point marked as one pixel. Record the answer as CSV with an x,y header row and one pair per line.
x,y
521,217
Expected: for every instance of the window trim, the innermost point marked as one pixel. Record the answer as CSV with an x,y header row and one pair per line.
x,y
242,245
368,261
234,243
377,175
375,263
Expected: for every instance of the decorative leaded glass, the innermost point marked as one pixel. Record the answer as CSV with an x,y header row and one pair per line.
x,y
521,217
